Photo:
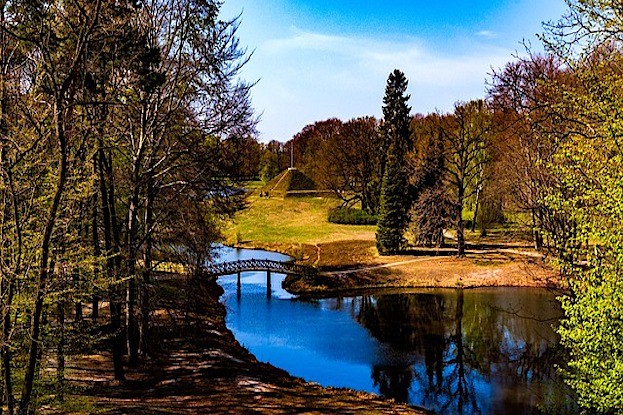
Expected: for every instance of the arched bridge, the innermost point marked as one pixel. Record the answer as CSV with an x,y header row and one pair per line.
x,y
236,267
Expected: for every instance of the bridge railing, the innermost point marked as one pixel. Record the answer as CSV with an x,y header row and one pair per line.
x,y
234,267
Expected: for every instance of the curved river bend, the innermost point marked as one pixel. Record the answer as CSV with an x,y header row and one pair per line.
x,y
478,351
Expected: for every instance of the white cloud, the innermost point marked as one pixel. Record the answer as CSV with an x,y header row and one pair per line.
x,y
307,77
487,34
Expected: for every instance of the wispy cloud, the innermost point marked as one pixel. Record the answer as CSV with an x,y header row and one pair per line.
x,y
377,57
313,76
301,40
487,34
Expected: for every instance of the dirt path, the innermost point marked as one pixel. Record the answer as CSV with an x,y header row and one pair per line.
x,y
199,368
480,268
370,268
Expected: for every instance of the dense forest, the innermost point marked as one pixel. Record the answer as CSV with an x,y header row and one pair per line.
x,y
125,133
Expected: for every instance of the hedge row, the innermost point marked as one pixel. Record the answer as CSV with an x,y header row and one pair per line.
x,y
351,216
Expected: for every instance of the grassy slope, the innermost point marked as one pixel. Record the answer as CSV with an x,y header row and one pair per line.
x,y
292,221
287,181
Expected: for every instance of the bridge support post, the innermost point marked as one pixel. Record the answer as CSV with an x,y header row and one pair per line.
x,y
269,289
239,287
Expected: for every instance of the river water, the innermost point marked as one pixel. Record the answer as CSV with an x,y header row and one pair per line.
x,y
478,351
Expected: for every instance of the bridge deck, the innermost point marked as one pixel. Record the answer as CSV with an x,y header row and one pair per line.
x,y
234,267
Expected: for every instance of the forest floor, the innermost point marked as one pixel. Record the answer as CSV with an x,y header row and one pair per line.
x,y
347,258
198,367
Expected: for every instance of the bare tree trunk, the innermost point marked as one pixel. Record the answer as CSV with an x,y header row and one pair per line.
x,y
97,252
144,293
6,351
130,317
112,252
7,324
460,225
7,284
132,327
78,304
536,233
60,354
132,336
477,204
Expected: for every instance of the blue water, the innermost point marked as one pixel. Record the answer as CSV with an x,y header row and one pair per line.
x,y
484,351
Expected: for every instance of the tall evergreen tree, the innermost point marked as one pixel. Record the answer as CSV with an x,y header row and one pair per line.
x,y
395,204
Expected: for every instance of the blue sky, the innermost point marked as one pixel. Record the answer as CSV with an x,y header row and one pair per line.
x,y
317,59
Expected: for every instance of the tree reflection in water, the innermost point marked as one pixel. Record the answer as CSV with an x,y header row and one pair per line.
x,y
457,352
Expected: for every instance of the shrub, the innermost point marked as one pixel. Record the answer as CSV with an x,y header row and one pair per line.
x,y
351,216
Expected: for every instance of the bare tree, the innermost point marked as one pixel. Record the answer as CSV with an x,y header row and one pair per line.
x,y
467,136
526,99
348,163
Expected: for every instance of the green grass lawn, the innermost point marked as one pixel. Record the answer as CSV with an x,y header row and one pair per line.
x,y
254,185
292,221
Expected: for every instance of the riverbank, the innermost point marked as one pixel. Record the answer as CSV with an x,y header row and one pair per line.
x,y
350,266
347,258
198,367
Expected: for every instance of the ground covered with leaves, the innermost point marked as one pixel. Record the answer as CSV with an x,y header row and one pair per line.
x,y
197,367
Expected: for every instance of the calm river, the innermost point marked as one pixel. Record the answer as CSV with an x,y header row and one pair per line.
x,y
480,351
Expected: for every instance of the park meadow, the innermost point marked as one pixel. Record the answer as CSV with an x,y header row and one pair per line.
x,y
132,173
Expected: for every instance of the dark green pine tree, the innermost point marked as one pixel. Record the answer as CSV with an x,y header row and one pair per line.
x,y
393,217
395,200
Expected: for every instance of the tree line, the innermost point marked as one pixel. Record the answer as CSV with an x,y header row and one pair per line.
x,y
117,125
416,173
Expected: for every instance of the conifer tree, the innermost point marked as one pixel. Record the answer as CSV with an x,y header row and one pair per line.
x,y
395,205
393,218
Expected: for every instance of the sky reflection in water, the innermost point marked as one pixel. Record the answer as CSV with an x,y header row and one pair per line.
x,y
407,346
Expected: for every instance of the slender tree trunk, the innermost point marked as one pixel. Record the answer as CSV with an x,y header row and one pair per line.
x,y
144,293
477,205
132,336
7,285
96,246
78,304
536,234
132,326
44,273
460,225
6,352
130,318
3,196
60,355
5,309
10,283
112,252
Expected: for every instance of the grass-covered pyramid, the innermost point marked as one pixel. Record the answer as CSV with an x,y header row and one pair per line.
x,y
290,182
